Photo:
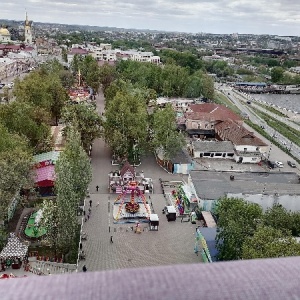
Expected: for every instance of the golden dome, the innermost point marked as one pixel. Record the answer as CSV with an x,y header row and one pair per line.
x,y
4,31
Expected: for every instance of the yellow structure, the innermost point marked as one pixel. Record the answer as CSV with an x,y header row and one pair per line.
x,y
4,35
28,31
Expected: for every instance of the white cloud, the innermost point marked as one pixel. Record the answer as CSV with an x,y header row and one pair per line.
x,y
217,16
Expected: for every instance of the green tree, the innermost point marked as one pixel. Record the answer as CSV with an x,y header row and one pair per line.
x,y
207,87
126,123
270,242
64,54
107,75
50,222
59,97
73,175
29,122
237,220
277,74
87,121
90,72
33,90
15,165
165,136
278,217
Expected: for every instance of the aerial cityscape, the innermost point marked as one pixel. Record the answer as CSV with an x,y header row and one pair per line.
x,y
166,147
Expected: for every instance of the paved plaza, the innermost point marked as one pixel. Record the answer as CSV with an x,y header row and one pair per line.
x,y
173,243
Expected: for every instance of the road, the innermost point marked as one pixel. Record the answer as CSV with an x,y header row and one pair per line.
x,y
240,100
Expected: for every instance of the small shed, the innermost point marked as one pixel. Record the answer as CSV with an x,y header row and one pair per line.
x,y
212,149
45,179
180,163
208,219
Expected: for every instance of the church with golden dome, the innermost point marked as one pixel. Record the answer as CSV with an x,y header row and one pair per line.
x,y
4,35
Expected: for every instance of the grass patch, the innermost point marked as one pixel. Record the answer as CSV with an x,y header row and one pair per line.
x,y
271,109
290,133
258,129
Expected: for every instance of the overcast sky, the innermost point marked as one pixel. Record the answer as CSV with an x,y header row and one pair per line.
x,y
280,17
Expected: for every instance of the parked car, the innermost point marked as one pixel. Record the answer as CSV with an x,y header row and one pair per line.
x,y
279,164
291,164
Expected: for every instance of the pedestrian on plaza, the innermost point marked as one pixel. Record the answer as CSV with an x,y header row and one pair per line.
x,y
97,188
91,203
98,203
88,216
90,210
84,212
80,246
84,269
111,239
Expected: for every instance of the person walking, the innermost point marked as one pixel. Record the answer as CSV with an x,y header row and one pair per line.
x,y
97,188
111,239
91,203
84,269
80,246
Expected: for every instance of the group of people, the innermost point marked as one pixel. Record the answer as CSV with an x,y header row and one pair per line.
x,y
86,218
5,263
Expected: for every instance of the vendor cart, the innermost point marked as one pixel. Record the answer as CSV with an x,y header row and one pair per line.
x,y
171,213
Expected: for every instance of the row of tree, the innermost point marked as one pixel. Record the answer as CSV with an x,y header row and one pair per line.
x,y
130,130
170,80
73,175
39,101
245,232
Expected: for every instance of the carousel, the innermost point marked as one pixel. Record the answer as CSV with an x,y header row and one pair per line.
x,y
14,252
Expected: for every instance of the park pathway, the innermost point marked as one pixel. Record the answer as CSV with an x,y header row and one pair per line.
x,y
172,244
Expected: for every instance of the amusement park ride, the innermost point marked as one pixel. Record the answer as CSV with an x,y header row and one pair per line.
x,y
131,203
132,209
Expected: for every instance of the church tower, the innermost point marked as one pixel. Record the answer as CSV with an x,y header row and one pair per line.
x,y
28,31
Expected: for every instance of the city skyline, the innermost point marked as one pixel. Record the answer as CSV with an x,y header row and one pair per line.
x,y
281,17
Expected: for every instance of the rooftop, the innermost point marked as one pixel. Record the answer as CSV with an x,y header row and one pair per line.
x,y
212,185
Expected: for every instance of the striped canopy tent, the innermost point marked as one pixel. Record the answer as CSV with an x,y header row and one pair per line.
x,y
45,177
14,248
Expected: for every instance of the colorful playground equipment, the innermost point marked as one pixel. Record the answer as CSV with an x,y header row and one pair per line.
x,y
132,207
